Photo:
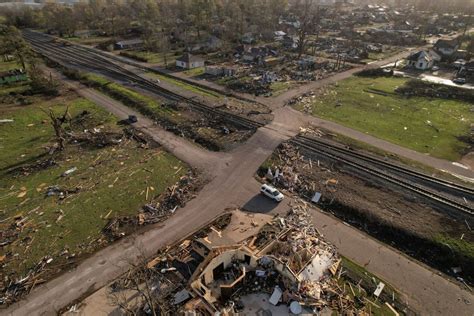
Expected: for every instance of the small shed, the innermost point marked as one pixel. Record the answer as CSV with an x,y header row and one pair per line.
x,y
12,76
188,61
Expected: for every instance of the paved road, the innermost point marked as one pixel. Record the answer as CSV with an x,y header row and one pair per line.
x,y
425,291
232,185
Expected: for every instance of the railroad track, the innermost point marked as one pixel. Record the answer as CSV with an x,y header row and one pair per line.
x,y
77,56
443,192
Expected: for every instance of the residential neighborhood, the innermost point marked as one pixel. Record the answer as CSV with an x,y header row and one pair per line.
x,y
236,157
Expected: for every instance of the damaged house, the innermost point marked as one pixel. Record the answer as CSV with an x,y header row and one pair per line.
x,y
423,60
446,48
293,268
188,61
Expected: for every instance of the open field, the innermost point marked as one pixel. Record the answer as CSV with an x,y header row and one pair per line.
x,y
133,98
194,72
428,125
92,40
154,58
189,87
48,217
8,65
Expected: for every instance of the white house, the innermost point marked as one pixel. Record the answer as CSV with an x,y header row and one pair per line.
x,y
188,61
423,59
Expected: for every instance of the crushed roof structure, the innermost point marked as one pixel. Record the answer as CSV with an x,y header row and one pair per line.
x,y
450,44
246,262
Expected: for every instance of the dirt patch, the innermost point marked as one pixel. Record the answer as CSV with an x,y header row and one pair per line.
x,y
391,215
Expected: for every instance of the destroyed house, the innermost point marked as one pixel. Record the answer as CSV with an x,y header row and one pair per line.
x,y
129,44
467,70
422,60
292,262
446,47
248,38
255,54
225,71
12,76
290,42
188,61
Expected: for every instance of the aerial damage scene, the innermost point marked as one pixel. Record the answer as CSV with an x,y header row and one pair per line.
x,y
237,157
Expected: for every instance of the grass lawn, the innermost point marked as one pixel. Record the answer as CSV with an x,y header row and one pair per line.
x,y
8,65
144,104
280,87
379,152
110,181
92,40
155,58
431,126
194,72
198,90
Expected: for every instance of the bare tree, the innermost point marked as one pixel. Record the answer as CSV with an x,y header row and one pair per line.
x,y
308,15
139,289
58,125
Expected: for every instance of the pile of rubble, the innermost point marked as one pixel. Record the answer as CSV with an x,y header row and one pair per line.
x,y
97,138
14,289
159,210
287,266
289,173
26,170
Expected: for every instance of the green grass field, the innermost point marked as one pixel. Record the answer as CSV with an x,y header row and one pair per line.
x,y
92,40
155,58
8,65
194,72
110,181
358,145
198,90
281,87
431,126
144,104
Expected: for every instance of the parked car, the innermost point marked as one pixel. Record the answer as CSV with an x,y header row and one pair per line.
x,y
132,119
271,192
459,80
